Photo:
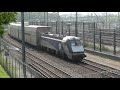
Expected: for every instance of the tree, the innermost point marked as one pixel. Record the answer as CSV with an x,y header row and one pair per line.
x,y
6,18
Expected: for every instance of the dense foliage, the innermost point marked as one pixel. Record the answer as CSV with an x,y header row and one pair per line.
x,y
6,18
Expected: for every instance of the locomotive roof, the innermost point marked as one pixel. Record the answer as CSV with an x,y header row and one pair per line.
x,y
60,37
53,36
69,38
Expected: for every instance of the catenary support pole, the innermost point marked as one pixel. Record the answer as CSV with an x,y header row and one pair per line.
x,y
114,42
62,27
23,44
83,35
94,35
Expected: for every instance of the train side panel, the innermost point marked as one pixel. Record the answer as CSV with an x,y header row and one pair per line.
x,y
34,32
52,44
30,35
20,35
13,31
33,40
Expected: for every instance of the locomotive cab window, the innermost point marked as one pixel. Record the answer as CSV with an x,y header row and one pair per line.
x,y
75,42
75,45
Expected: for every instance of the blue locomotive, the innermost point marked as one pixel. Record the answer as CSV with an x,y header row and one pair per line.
x,y
69,46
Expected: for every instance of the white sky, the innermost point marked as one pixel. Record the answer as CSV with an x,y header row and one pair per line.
x,y
86,13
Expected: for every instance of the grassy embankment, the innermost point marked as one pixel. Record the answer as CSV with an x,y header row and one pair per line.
x,y
3,74
103,47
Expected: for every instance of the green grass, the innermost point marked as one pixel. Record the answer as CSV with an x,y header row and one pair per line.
x,y
11,68
3,74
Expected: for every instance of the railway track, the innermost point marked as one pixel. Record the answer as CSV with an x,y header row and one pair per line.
x,y
105,71
54,71
62,74
47,69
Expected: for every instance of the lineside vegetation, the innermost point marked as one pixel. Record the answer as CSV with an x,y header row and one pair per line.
x,y
5,19
3,74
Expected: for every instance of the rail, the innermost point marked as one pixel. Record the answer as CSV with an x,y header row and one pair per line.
x,y
102,69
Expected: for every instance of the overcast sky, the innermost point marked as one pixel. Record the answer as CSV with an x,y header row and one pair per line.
x,y
86,13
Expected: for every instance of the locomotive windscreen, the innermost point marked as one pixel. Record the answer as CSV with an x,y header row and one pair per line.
x,y
76,46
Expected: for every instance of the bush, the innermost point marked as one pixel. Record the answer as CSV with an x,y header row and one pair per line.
x,y
1,31
6,18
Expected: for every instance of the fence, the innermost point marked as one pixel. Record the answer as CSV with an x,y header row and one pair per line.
x,y
14,66
93,35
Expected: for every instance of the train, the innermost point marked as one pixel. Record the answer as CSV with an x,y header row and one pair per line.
x,y
69,47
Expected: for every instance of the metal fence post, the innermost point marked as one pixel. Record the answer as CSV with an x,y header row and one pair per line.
x,y
15,67
114,42
62,27
94,35
100,39
69,29
56,27
2,57
58,31
83,35
6,63
76,29
9,63
44,18
12,67
19,69
47,18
